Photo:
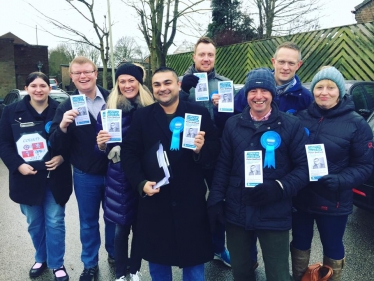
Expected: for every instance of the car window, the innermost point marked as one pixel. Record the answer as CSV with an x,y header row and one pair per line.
x,y
363,98
11,97
59,97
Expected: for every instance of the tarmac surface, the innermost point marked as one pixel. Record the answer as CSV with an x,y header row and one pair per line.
x,y
17,252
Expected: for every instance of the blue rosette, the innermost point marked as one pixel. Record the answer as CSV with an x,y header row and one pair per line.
x,y
176,126
270,140
47,128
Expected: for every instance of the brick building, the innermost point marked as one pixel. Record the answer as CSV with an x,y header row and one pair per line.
x,y
17,60
364,12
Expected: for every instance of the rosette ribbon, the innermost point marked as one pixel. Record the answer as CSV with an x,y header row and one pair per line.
x,y
176,127
270,140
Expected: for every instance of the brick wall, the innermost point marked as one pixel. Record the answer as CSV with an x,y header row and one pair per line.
x,y
366,13
7,71
26,58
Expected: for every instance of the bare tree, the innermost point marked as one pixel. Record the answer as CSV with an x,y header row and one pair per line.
x,y
158,24
102,33
126,47
283,17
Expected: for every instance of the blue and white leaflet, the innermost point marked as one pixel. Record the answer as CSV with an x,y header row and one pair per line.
x,y
226,96
192,123
201,89
317,161
79,103
253,168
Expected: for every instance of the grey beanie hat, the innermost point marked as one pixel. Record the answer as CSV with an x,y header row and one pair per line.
x,y
260,78
130,69
330,73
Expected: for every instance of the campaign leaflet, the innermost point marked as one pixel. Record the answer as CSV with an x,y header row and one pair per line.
x,y
32,147
192,123
79,103
317,161
253,168
103,115
114,124
226,93
201,89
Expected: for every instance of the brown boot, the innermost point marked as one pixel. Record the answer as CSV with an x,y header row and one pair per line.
x,y
300,262
337,267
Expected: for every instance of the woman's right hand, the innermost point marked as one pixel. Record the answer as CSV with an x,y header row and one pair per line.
x,y
102,138
26,169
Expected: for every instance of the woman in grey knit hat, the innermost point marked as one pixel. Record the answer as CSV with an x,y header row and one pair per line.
x,y
347,138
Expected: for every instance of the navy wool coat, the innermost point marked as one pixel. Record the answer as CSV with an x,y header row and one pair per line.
x,y
172,225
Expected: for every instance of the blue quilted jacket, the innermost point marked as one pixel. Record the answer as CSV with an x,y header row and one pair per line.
x,y
348,145
121,200
240,134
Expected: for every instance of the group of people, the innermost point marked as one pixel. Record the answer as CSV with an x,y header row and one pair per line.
x,y
177,224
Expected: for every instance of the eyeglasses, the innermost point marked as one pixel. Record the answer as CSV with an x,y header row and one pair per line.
x,y
86,73
283,62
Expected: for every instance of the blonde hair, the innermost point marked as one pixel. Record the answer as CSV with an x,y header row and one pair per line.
x,y
144,96
82,60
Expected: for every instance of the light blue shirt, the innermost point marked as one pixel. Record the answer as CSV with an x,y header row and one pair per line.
x,y
96,105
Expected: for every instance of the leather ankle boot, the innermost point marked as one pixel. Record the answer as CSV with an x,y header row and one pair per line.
x,y
300,262
337,267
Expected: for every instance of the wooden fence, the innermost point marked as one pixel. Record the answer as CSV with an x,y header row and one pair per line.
x,y
349,48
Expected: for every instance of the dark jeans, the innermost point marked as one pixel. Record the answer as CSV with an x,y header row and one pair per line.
x,y
218,237
331,231
121,249
89,191
275,252
161,272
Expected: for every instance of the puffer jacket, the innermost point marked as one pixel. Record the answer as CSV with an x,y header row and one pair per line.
x,y
213,79
121,200
240,134
348,145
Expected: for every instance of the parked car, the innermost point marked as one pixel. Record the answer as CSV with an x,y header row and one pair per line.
x,y
16,95
363,97
53,83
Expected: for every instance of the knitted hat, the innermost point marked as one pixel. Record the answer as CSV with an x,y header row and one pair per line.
x,y
330,73
260,78
130,69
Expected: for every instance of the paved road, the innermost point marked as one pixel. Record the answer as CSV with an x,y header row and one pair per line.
x,y
16,250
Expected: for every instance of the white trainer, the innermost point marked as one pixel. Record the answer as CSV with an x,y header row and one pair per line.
x,y
122,278
135,277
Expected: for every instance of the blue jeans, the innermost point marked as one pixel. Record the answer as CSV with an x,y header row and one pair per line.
x,y
121,248
160,272
89,191
331,231
46,226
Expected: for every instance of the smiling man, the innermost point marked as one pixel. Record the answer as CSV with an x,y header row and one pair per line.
x,y
266,209
204,58
89,167
291,96
172,221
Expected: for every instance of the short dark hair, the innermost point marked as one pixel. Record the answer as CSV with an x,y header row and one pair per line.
x,y
166,69
33,75
204,40
288,45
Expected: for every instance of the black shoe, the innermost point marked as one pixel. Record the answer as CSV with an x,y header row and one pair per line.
x,y
36,272
89,274
111,259
62,278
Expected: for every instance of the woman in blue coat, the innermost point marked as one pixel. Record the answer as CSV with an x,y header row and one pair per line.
x,y
121,200
347,138
42,191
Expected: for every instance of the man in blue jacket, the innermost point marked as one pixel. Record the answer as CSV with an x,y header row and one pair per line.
x,y
291,96
89,167
267,208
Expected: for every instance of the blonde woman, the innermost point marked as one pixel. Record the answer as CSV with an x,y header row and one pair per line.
x,y
121,199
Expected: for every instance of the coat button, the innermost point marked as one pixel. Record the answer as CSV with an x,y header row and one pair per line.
x,y
174,203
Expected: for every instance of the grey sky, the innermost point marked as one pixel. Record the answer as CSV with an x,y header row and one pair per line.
x,y
18,17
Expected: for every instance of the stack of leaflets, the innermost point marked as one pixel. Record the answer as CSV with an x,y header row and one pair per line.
x,y
112,123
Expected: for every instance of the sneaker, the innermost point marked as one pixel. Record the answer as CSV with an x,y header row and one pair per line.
x,y
121,278
89,274
224,257
135,277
